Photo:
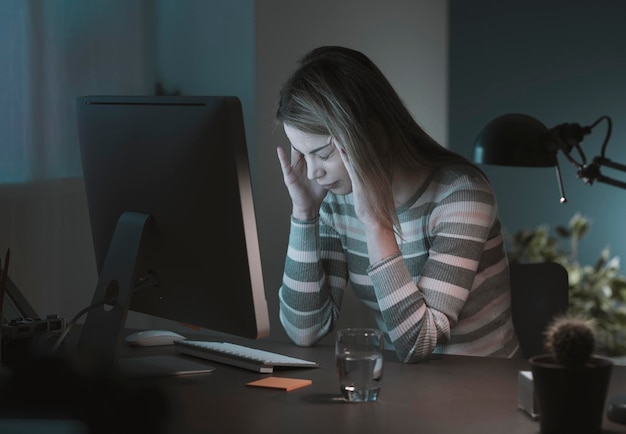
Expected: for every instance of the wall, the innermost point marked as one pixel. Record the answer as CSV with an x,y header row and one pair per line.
x,y
207,48
559,61
74,49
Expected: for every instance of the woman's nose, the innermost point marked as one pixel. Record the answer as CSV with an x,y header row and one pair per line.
x,y
313,170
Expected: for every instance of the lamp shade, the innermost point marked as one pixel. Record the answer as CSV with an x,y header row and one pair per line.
x,y
515,140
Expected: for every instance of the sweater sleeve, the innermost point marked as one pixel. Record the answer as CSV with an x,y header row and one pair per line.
x,y
420,308
314,279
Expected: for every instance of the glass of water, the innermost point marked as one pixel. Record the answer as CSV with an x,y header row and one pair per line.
x,y
359,357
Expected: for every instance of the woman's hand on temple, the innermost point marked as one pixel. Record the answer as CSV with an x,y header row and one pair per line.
x,y
379,235
306,195
362,206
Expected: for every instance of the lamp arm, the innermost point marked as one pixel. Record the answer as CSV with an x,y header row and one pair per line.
x,y
608,132
608,163
591,172
611,181
568,136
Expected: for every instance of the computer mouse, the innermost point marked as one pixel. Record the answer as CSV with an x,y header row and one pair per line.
x,y
151,338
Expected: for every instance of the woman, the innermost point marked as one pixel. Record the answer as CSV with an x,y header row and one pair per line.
x,y
375,200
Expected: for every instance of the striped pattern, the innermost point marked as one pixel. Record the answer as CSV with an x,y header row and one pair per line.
x,y
448,293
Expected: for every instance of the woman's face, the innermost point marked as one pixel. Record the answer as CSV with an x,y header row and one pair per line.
x,y
323,161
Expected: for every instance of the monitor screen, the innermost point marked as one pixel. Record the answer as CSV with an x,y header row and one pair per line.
x,y
172,215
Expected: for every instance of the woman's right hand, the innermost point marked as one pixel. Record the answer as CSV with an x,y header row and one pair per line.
x,y
306,195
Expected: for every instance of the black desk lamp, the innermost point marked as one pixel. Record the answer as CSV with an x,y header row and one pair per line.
x,y
521,140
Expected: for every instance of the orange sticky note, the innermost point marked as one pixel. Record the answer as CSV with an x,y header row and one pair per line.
x,y
280,383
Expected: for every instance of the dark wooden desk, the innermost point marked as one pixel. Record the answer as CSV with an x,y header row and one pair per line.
x,y
450,394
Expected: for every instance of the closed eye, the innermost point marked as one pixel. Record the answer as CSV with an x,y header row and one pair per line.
x,y
327,156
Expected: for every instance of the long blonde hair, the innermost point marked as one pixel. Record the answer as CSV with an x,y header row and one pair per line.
x,y
340,92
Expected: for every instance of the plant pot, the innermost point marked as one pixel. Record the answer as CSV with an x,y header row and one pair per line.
x,y
571,399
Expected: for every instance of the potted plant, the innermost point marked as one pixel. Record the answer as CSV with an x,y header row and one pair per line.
x,y
571,383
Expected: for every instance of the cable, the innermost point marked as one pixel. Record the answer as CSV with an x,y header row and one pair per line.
x,y
69,325
608,133
150,280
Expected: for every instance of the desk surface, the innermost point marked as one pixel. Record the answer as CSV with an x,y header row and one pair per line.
x,y
450,394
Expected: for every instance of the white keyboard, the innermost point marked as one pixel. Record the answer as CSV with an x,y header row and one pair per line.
x,y
240,356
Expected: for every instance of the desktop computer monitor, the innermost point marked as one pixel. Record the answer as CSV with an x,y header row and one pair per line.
x,y
172,216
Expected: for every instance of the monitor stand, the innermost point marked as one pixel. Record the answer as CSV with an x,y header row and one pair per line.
x,y
103,330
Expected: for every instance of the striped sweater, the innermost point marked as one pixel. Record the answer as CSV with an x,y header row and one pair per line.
x,y
448,293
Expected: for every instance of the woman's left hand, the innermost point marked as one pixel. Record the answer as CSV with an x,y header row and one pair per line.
x,y
379,234
362,206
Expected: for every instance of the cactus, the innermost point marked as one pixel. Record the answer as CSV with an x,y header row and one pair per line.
x,y
570,339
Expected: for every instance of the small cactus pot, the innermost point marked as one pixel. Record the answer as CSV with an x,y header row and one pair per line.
x,y
571,398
